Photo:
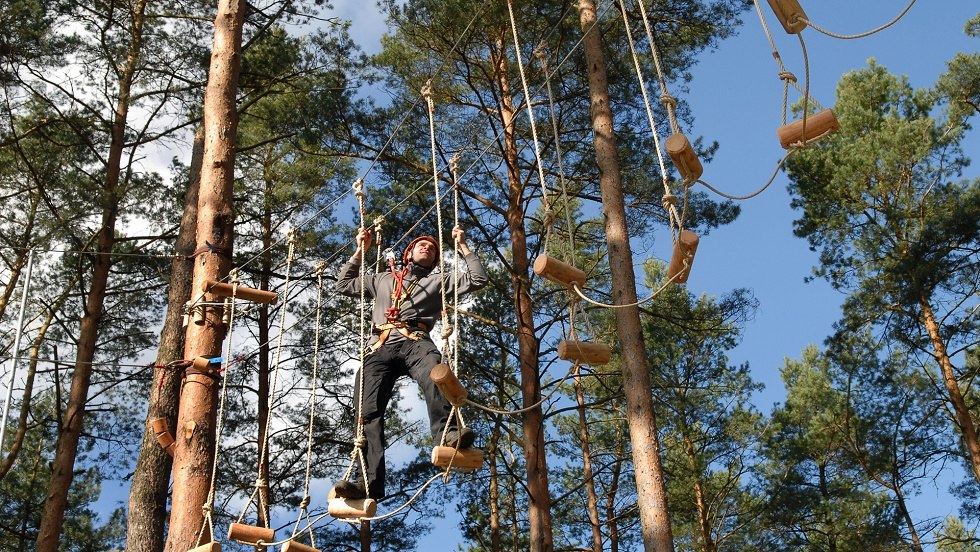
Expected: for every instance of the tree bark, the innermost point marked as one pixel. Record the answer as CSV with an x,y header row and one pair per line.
x,y
63,465
539,503
963,418
151,479
593,501
195,448
650,487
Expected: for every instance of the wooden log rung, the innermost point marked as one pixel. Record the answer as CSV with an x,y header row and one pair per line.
x,y
584,352
209,547
293,546
681,152
817,125
790,14
558,272
462,460
684,249
348,508
159,425
448,384
223,289
250,534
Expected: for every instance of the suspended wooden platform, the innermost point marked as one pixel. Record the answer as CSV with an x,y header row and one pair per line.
x,y
447,382
584,352
163,435
224,289
558,272
250,534
818,124
293,546
462,460
790,14
682,154
350,508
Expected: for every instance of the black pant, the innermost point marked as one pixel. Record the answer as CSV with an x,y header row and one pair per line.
x,y
381,370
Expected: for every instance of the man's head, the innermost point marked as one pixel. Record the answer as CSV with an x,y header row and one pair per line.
x,y
423,251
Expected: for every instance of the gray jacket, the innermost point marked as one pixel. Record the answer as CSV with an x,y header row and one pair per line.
x,y
423,303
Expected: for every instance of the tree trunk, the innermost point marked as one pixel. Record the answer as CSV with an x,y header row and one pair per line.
x,y
63,465
151,479
265,370
650,487
611,517
963,419
195,449
539,503
707,542
593,501
365,534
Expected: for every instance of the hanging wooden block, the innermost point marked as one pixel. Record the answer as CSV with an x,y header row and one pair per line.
x,y
159,425
681,152
464,460
558,272
166,441
209,547
349,508
250,534
584,352
684,249
790,14
818,124
200,315
293,546
448,384
222,289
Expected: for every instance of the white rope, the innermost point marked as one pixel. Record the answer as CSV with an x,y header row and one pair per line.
x,y
859,35
530,114
304,512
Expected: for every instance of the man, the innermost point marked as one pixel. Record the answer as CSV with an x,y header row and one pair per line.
x,y
407,303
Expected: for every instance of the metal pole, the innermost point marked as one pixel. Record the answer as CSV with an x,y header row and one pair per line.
x,y
13,356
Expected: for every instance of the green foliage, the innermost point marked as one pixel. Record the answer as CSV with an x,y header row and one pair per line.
x,y
25,488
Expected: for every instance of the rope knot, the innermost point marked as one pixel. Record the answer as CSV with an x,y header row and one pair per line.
x,y
305,502
549,218
447,331
261,482
787,76
360,442
358,187
668,101
668,201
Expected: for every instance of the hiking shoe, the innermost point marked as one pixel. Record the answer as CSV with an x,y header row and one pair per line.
x,y
346,489
460,438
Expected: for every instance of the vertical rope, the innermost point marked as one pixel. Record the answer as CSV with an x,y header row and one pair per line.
x,y
530,115
543,60
427,92
359,438
314,382
672,215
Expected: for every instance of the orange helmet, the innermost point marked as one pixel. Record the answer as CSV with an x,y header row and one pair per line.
x,y
408,248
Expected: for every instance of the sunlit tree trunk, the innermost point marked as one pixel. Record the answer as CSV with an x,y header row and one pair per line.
x,y
70,427
650,487
195,449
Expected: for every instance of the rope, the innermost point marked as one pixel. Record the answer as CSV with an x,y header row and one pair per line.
x,y
427,93
785,75
309,432
359,438
760,190
530,116
635,303
859,35
526,408
263,509
672,215
226,360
